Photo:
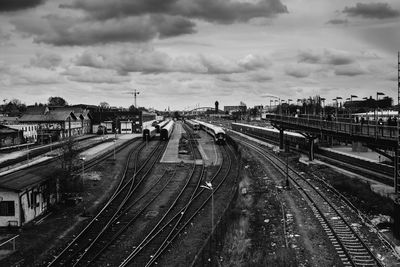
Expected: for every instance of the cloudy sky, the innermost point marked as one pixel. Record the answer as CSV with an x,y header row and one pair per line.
x,y
183,53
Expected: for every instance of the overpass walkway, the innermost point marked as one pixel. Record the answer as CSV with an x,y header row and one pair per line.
x,y
368,131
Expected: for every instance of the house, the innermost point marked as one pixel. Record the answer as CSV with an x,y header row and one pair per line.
x,y
10,137
5,120
57,123
29,131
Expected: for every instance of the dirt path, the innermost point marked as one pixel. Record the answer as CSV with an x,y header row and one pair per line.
x,y
256,236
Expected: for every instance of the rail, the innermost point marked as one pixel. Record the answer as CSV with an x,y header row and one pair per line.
x,y
9,240
369,129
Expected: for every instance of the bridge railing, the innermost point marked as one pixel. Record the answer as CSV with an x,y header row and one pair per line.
x,y
366,128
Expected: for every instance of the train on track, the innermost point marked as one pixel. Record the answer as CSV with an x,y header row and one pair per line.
x,y
149,133
160,125
271,134
216,132
192,124
166,131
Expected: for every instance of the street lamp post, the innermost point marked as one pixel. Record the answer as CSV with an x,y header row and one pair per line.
x,y
337,105
280,106
323,107
27,155
351,103
210,187
288,102
114,148
366,98
377,107
83,168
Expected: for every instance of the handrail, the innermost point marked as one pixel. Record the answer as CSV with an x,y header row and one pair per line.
x,y
365,128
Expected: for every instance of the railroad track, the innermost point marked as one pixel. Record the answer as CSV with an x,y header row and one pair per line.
x,y
193,141
351,248
382,175
152,245
189,213
107,214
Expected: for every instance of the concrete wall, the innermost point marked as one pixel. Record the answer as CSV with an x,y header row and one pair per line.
x,y
10,220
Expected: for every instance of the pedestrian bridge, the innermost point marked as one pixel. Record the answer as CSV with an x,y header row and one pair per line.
x,y
368,131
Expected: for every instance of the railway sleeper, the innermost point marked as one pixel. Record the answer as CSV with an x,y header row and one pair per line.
x,y
365,261
349,237
359,251
355,245
343,231
364,258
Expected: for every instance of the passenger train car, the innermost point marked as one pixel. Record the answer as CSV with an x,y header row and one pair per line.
x,y
160,126
192,124
149,133
270,134
216,132
166,131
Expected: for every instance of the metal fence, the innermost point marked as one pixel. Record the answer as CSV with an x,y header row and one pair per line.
x,y
365,129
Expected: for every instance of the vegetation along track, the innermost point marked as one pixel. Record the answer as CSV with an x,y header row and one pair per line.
x,y
107,214
351,248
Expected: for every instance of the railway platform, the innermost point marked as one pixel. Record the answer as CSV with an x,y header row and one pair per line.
x,y
366,156
87,154
206,146
171,154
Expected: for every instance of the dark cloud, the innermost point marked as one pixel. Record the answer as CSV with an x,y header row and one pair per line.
x,y
14,5
105,21
60,31
338,57
221,11
147,60
173,26
309,57
372,11
297,71
330,57
349,70
338,22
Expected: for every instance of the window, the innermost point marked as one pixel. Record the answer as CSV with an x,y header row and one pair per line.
x,y
7,208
